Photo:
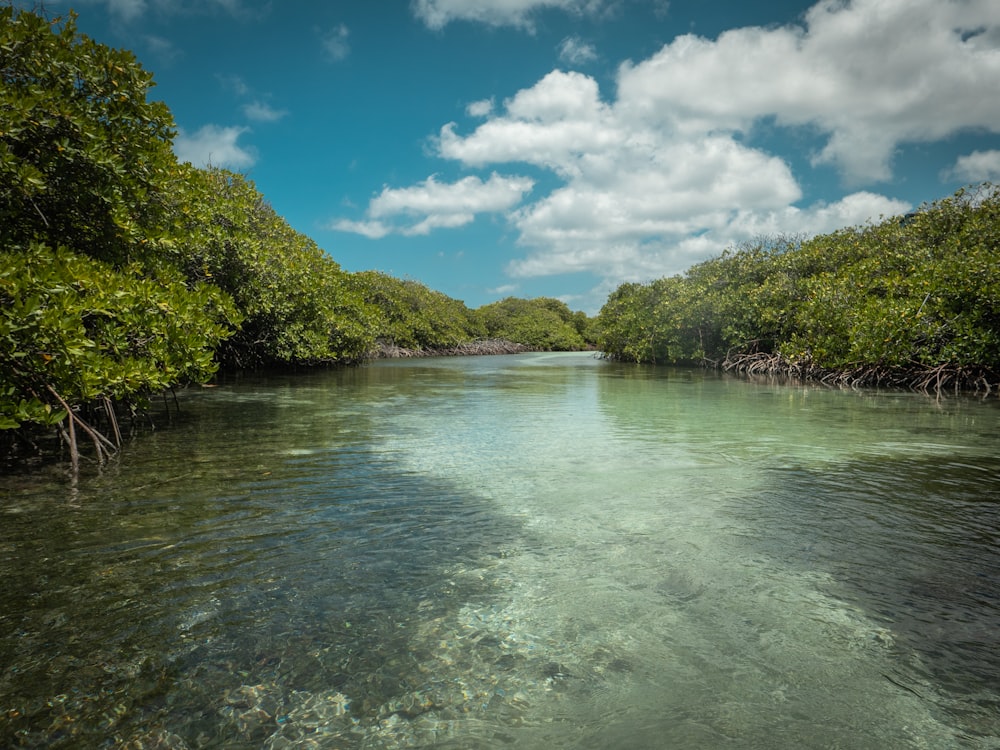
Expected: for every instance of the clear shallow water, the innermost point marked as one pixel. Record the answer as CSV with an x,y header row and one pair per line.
x,y
526,551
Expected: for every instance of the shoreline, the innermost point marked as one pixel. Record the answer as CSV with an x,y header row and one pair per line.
x,y
956,379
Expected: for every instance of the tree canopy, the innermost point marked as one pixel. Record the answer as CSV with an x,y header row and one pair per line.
x,y
541,323
297,306
91,307
909,300
412,316
85,156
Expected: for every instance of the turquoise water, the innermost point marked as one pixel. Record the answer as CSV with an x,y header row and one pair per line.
x,y
529,551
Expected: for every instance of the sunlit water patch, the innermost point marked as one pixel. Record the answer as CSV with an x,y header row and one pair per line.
x,y
527,551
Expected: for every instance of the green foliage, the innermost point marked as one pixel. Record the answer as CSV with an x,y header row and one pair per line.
x,y
83,154
918,293
665,320
297,305
415,317
76,329
628,327
542,323
92,307
412,316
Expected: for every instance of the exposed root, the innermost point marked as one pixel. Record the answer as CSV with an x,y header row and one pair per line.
x,y
937,380
103,447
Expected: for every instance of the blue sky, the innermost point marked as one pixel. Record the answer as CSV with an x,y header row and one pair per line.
x,y
490,148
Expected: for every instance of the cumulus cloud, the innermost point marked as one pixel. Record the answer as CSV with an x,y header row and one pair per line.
x,y
215,145
979,166
665,172
164,49
234,83
437,14
505,289
575,51
373,230
430,205
628,189
255,105
482,108
555,124
670,249
869,75
468,195
263,112
336,44
129,11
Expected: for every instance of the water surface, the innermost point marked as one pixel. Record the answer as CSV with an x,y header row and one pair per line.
x,y
543,550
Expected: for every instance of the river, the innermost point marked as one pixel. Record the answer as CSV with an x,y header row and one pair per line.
x,y
530,551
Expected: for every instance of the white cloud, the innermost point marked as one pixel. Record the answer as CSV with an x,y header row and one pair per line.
x,y
553,124
575,51
630,192
216,145
482,108
433,205
468,195
671,190
979,166
506,289
129,11
437,14
666,173
819,218
664,253
869,74
263,112
439,221
371,229
255,107
335,42
233,7
163,49
234,83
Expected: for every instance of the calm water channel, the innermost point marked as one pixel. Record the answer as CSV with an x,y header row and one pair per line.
x,y
541,551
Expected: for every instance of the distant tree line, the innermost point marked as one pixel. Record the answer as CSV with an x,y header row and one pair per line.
x,y
124,273
909,301
420,321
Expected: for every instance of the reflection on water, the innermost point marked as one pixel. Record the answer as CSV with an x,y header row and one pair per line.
x,y
534,551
